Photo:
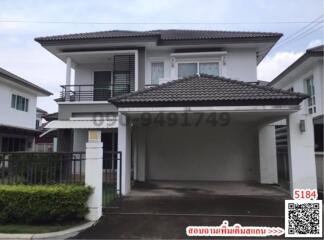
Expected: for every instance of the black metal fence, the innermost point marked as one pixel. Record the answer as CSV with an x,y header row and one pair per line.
x,y
76,93
111,177
42,168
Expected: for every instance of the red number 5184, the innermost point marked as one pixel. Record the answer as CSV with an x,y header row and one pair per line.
x,y
305,194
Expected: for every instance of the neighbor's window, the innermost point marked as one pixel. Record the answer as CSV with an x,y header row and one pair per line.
x,y
190,69
310,90
157,72
19,102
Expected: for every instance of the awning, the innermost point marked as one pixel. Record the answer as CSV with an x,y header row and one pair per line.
x,y
82,124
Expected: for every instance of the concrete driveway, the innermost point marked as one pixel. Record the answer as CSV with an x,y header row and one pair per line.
x,y
163,210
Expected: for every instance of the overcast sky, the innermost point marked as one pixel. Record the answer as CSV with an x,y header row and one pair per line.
x,y
20,54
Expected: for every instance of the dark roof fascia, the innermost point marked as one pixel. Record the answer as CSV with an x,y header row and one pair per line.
x,y
18,130
97,40
213,41
158,40
98,49
257,102
24,82
298,62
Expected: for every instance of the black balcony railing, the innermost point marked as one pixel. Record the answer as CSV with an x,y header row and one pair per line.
x,y
76,93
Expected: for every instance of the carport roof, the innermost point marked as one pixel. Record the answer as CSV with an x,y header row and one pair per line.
x,y
207,90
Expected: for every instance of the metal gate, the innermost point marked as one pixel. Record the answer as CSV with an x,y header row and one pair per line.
x,y
111,175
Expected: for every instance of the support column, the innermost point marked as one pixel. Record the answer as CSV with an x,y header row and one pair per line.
x,y
93,174
302,168
124,146
68,78
55,144
141,154
268,155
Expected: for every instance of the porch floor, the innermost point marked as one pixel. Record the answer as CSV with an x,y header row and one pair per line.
x,y
163,210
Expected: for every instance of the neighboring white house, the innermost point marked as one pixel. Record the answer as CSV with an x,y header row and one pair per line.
x,y
215,115
306,75
18,99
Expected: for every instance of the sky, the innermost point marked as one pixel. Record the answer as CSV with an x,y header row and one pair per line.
x,y
23,20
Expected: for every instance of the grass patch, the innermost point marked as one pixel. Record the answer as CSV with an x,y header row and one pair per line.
x,y
25,228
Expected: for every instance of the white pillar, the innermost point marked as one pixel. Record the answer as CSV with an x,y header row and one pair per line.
x,y
55,144
268,155
68,70
93,174
124,146
68,78
136,70
141,154
302,168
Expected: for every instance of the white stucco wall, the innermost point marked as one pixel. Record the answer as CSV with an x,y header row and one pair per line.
x,y
297,82
203,153
84,72
14,117
240,64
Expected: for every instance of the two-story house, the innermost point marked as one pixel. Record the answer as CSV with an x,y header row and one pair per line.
x,y
18,99
306,75
206,120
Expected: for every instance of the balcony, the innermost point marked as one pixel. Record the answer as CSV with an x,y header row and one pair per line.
x,y
79,93
99,75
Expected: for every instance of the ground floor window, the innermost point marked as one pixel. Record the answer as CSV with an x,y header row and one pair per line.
x,y
13,144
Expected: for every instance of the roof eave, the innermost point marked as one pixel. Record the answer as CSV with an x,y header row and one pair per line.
x,y
295,64
41,91
239,102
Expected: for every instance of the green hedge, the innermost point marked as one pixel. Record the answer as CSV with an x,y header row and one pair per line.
x,y
42,203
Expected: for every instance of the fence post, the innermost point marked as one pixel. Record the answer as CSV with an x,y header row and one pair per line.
x,y
93,174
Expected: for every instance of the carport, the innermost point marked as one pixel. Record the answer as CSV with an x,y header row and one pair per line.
x,y
205,128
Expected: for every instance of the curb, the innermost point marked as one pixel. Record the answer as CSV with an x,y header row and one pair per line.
x,y
64,234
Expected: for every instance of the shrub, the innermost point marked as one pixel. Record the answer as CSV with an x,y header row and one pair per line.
x,y
42,203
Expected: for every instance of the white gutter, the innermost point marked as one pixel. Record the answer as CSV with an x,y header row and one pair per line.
x,y
271,108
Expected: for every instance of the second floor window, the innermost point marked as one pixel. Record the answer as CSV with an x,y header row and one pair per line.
x,y
19,102
190,69
157,72
310,90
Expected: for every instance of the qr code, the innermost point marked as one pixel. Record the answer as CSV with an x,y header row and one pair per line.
x,y
303,218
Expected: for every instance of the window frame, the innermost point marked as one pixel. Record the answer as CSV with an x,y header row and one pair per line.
x,y
198,62
311,102
19,102
157,61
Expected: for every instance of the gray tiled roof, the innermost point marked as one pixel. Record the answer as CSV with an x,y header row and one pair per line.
x,y
319,49
208,90
12,77
311,52
171,34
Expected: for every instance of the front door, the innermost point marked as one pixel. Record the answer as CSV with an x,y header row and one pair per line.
x,y
101,85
